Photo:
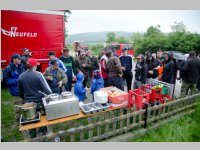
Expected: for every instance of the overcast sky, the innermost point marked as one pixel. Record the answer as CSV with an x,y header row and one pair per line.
x,y
81,21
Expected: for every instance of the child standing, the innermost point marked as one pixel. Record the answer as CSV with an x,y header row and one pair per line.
x,y
97,82
79,89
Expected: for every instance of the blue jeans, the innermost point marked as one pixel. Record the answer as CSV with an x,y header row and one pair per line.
x,y
68,85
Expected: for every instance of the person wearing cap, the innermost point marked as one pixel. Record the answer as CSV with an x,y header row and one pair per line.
x,y
12,73
114,70
52,56
31,82
55,77
126,62
140,72
25,56
83,64
70,65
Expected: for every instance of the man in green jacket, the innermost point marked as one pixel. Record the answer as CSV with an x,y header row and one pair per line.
x,y
55,77
70,65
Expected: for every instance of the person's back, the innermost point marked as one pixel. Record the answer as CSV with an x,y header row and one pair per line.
x,y
191,71
30,82
114,67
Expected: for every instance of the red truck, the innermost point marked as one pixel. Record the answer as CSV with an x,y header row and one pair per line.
x,y
120,47
40,31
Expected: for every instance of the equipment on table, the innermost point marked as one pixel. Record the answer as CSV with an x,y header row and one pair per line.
x,y
137,98
58,106
91,108
100,97
24,121
28,110
115,95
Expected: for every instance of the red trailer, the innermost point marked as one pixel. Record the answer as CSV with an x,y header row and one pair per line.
x,y
40,31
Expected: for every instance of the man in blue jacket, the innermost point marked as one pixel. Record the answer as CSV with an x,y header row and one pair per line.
x,y
61,65
11,74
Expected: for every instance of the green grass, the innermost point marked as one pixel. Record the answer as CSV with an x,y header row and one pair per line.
x,y
9,125
186,129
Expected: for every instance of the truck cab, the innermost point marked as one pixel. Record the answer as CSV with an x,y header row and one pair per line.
x,y
117,49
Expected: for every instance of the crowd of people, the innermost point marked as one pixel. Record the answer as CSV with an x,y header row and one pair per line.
x,y
23,79
88,71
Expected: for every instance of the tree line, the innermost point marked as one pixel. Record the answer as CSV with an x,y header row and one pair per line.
x,y
179,39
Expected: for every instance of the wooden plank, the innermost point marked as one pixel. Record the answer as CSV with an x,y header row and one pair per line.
x,y
44,122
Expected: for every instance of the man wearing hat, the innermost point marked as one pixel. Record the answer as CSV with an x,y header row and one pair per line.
x,y
31,82
11,74
83,64
126,62
55,77
25,56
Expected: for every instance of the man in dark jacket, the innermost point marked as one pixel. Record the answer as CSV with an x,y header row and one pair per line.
x,y
12,73
94,62
140,72
32,81
152,66
70,65
169,68
83,64
25,56
114,70
191,73
126,62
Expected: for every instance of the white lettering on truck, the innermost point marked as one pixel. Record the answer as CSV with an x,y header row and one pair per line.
x,y
13,33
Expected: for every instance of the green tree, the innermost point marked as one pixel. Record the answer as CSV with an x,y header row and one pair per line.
x,y
67,13
111,37
122,40
178,27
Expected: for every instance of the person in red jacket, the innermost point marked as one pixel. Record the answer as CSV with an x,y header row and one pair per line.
x,y
103,62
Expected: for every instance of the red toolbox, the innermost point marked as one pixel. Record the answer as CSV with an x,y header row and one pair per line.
x,y
137,98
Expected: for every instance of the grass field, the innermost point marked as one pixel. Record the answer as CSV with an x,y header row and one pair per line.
x,y
186,129
181,130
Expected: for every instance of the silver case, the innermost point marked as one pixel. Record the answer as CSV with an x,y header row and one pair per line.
x,y
61,108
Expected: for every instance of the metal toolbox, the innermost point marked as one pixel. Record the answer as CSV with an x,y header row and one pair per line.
x,y
24,121
91,108
61,107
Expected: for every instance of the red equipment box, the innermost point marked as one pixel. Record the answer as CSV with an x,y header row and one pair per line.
x,y
138,97
115,95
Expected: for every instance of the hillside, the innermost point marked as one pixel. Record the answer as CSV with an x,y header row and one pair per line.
x,y
91,37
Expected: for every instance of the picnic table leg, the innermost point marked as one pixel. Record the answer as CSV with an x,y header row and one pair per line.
x,y
26,135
